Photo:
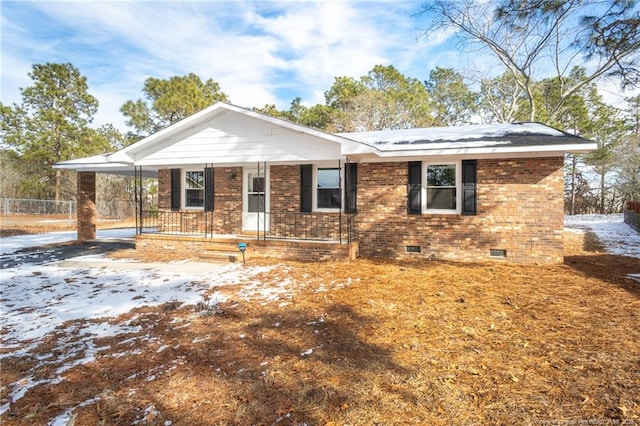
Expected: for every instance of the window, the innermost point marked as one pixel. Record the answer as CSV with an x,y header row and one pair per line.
x,y
328,189
441,187
322,189
444,187
194,189
255,193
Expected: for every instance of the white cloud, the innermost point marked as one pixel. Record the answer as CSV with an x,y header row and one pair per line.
x,y
259,52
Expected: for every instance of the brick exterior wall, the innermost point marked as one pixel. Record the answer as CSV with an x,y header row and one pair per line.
x,y
87,215
286,219
520,210
164,189
303,251
519,204
227,218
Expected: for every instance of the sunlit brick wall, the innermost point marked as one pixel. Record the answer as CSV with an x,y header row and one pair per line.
x,y
520,210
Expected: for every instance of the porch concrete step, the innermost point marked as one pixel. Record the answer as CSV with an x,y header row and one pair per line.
x,y
220,255
222,250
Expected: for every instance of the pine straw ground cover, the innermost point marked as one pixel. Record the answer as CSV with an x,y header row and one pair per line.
x,y
366,343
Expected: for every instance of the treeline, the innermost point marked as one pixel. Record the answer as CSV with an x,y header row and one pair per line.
x,y
53,121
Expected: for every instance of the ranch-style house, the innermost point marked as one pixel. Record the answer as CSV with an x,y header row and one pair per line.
x,y
230,175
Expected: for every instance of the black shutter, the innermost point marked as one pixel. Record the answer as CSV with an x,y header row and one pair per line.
x,y
469,187
208,189
351,188
306,188
414,205
176,188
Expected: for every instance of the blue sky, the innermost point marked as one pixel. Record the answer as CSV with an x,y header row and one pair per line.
x,y
258,51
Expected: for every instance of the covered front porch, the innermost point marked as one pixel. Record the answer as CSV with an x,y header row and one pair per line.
x,y
281,235
216,234
228,175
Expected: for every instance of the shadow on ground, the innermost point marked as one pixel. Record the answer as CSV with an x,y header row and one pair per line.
x,y
57,252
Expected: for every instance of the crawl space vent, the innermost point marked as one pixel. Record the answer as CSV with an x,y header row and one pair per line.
x,y
498,253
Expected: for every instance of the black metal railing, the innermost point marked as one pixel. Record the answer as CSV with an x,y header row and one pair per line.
x,y
280,225
310,226
177,222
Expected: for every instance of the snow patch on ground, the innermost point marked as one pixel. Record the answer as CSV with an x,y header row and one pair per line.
x,y
12,244
38,300
616,236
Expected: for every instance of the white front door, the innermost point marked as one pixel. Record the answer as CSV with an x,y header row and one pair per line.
x,y
255,199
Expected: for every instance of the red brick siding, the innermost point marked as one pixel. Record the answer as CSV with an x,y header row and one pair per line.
x,y
164,189
520,208
227,217
87,215
227,200
287,221
306,251
285,188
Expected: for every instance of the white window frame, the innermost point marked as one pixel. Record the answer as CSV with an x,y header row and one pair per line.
x,y
458,164
315,207
184,189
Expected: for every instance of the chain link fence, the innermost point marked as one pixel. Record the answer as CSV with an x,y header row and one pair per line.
x,y
107,209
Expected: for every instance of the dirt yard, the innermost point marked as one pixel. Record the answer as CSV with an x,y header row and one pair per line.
x,y
364,343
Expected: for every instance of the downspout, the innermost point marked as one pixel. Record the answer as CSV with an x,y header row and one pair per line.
x,y
204,210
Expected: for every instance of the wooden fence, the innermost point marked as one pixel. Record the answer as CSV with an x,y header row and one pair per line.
x,y
632,215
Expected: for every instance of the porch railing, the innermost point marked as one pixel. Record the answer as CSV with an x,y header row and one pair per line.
x,y
178,222
314,226
281,225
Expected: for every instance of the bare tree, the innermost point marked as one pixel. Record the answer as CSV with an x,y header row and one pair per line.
x,y
546,36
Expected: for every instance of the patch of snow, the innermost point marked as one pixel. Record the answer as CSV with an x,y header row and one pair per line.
x,y
616,236
635,277
37,300
452,134
11,244
66,417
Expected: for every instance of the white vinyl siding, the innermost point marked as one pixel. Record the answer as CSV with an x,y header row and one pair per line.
x,y
236,139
